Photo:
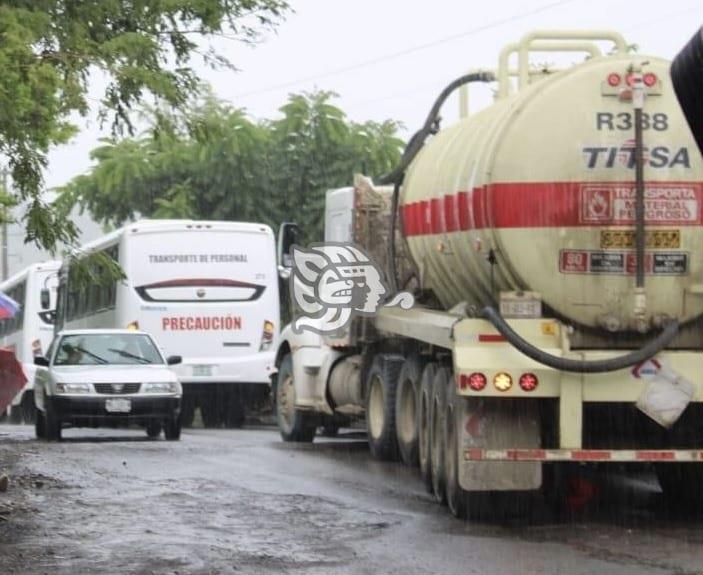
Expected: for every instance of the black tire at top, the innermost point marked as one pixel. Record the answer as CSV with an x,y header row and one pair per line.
x,y
406,410
425,424
437,451
381,385
294,425
687,77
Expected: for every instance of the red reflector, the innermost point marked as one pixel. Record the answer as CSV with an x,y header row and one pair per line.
x,y
528,381
649,79
490,337
476,381
614,79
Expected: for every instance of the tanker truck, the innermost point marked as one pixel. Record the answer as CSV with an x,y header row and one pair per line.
x,y
553,243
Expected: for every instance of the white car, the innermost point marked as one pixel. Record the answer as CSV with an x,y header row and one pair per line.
x,y
106,377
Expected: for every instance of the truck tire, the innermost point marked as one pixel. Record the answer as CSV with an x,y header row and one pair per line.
x,y
210,412
52,423
40,425
381,385
456,496
681,484
406,410
294,425
425,424
437,451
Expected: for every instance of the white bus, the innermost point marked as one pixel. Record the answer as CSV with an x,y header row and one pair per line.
x,y
29,333
207,291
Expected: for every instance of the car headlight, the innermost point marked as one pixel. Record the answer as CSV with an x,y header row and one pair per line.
x,y
74,388
160,387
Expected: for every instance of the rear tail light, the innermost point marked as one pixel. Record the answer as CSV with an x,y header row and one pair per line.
x,y
502,381
267,335
476,381
649,79
528,381
614,79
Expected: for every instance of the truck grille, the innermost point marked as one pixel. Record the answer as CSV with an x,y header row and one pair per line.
x,y
116,388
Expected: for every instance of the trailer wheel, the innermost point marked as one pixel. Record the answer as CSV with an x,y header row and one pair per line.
x,y
681,484
381,385
437,450
407,400
456,496
425,424
294,425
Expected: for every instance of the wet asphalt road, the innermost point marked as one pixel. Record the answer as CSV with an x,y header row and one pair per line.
x,y
241,501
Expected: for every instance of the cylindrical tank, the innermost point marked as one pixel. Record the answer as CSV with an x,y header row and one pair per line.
x,y
537,192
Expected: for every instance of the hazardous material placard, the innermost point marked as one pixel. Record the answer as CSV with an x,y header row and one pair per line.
x,y
622,262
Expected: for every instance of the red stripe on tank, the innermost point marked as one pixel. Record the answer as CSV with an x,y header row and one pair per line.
x,y
557,204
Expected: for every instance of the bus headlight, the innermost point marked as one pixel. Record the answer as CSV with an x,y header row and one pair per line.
x,y
74,388
160,387
267,336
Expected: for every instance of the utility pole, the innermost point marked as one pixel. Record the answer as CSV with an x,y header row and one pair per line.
x,y
5,191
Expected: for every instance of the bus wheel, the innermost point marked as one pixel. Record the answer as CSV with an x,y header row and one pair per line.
x,y
456,497
406,411
187,411
234,405
381,385
425,424
15,414
210,412
294,425
51,422
29,411
438,413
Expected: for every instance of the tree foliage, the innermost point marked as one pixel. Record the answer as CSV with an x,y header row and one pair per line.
x,y
216,163
51,49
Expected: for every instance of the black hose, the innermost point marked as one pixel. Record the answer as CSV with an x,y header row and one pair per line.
x,y
577,365
414,145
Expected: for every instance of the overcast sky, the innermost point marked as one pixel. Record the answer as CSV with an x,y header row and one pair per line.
x,y
390,58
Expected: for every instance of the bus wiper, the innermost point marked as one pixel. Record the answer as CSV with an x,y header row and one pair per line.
x,y
91,354
124,353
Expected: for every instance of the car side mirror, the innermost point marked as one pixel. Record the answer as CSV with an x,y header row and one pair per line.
x,y
41,360
288,235
174,359
45,298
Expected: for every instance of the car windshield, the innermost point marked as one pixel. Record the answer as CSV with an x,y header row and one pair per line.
x,y
107,349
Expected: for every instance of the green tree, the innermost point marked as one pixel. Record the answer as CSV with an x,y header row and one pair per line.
x,y
216,163
51,49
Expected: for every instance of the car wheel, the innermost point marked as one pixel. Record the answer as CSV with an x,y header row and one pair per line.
x,y
172,429
40,425
153,429
52,423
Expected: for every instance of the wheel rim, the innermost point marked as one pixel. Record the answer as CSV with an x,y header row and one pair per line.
x,y
285,402
376,412
406,420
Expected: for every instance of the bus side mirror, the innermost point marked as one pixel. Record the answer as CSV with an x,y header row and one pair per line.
x,y
41,361
45,298
288,235
174,359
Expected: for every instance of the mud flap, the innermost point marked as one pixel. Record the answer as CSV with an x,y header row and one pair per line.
x,y
499,424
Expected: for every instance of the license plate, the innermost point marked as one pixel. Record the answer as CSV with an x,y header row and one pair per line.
x,y
118,405
520,305
202,370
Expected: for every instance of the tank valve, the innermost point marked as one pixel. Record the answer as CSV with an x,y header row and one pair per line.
x,y
609,323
